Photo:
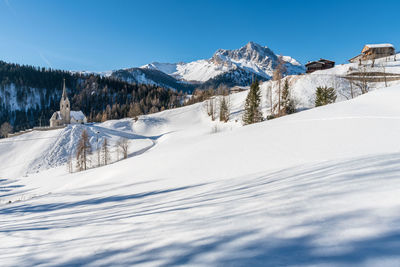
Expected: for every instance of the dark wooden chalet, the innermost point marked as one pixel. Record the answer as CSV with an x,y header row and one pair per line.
x,y
321,64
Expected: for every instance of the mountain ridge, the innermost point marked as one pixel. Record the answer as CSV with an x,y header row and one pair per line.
x,y
243,63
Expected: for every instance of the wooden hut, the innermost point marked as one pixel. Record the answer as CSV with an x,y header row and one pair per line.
x,y
374,51
321,64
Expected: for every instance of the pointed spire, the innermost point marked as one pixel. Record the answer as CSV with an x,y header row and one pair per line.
x,y
64,94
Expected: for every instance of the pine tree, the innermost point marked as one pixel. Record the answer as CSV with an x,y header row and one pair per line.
x,y
224,110
287,103
325,95
252,110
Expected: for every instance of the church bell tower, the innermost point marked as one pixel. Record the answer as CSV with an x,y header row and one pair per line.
x,y
65,106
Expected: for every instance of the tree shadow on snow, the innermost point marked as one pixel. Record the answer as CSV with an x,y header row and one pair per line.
x,y
37,208
253,246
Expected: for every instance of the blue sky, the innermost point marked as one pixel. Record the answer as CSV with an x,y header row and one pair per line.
x,y
101,35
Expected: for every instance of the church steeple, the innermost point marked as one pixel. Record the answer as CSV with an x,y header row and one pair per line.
x,y
64,93
65,107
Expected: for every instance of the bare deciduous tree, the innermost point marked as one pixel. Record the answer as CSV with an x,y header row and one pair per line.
x,y
347,92
98,152
362,84
211,108
134,111
83,151
70,165
224,108
277,76
105,152
123,145
383,66
5,129
269,98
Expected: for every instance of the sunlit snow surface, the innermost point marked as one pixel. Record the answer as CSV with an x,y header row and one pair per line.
x,y
317,188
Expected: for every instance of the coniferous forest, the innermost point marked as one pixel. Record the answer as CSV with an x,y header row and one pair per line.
x,y
29,96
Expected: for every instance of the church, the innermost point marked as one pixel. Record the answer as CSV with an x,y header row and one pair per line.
x,y
65,115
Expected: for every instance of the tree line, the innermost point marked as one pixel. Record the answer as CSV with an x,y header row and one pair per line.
x,y
37,91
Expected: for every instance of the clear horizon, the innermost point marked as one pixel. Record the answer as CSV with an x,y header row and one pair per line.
x,y
108,35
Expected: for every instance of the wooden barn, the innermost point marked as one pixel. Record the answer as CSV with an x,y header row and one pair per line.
x,y
374,51
321,64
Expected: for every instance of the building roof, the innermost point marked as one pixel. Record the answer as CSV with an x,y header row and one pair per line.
x,y
314,62
379,45
356,57
56,116
321,61
326,60
77,115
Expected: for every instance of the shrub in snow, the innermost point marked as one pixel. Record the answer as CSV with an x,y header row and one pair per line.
x,y
325,95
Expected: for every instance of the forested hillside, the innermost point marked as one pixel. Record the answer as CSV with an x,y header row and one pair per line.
x,y
29,95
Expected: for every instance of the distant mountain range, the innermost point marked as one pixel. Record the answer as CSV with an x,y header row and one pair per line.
x,y
230,67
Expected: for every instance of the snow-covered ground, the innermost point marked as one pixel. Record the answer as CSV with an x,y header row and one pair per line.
x,y
316,188
303,86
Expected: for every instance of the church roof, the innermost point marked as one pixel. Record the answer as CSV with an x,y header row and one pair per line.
x,y
77,115
56,116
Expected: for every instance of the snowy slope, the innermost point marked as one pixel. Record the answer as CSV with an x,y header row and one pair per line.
x,y
37,150
318,188
252,57
196,71
10,99
303,87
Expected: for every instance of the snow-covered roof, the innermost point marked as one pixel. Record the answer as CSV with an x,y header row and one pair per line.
x,y
77,115
379,45
321,61
56,116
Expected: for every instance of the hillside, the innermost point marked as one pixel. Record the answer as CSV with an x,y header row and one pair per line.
x,y
302,89
29,95
303,86
153,77
318,187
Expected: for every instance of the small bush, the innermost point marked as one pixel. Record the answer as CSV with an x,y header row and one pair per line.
x,y
325,95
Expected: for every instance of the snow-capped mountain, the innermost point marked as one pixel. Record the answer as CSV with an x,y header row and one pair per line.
x,y
253,58
196,71
229,67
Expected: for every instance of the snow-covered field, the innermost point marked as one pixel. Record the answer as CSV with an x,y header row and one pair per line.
x,y
317,188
